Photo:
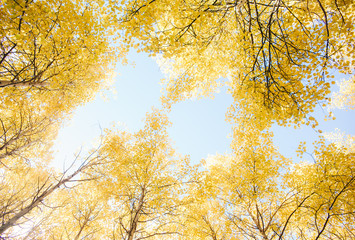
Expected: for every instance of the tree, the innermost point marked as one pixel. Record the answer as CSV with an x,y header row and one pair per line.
x,y
205,220
54,56
26,190
204,214
140,186
25,136
76,215
277,55
246,186
253,194
52,45
329,182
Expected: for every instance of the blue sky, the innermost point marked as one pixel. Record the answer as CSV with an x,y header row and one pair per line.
x,y
198,126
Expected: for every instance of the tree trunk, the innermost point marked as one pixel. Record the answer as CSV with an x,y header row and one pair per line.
x,y
134,223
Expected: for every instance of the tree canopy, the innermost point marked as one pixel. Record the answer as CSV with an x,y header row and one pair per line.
x,y
55,56
278,60
279,56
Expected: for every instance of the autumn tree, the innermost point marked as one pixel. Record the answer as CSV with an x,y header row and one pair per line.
x,y
53,45
75,213
28,190
141,184
278,56
25,136
243,191
254,194
54,56
329,185
204,215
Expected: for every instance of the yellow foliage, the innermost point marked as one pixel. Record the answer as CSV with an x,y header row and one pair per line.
x,y
55,56
277,56
346,95
325,193
141,182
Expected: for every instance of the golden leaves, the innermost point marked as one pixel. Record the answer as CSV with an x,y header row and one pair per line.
x,y
55,58
276,58
278,63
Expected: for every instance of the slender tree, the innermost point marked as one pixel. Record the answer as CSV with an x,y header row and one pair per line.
x,y
142,183
25,191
